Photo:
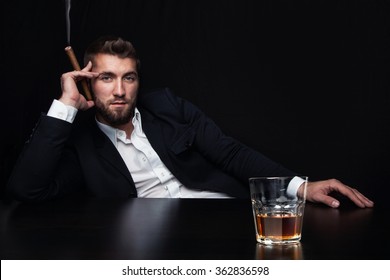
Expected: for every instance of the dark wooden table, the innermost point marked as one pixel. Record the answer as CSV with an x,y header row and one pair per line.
x,y
181,229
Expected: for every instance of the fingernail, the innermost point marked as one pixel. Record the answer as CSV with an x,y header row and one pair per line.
x,y
335,204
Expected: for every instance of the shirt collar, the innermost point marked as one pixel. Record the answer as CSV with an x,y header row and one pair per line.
x,y
137,122
112,133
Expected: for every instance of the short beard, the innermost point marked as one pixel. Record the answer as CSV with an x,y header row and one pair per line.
x,y
114,118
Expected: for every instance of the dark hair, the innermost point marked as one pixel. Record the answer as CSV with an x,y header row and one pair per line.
x,y
111,45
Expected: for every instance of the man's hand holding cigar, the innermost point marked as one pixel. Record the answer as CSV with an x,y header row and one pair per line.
x,y
70,93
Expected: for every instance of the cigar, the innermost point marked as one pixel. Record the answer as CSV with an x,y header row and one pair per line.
x,y
76,66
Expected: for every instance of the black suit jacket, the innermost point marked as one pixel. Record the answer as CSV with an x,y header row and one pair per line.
x,y
62,158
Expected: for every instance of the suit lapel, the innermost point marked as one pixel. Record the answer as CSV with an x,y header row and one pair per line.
x,y
109,153
154,132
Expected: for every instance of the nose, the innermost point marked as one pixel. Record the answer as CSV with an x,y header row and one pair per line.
x,y
119,89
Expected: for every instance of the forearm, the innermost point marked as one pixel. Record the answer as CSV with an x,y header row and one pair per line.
x,y
247,162
233,156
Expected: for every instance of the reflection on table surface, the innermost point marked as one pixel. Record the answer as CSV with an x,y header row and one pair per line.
x,y
181,229
279,252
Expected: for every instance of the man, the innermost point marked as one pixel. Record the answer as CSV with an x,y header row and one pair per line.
x,y
151,144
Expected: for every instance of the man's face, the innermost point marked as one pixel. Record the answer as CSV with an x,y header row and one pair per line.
x,y
115,89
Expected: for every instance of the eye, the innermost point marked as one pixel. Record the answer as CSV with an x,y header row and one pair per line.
x,y
105,78
131,78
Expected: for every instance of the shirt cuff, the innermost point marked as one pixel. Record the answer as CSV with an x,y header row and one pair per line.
x,y
61,111
294,185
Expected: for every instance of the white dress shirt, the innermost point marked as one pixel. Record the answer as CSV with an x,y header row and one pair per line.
x,y
151,177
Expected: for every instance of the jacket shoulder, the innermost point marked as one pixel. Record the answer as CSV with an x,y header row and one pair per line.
x,y
157,98
163,101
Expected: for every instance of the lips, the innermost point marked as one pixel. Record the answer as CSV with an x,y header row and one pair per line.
x,y
118,104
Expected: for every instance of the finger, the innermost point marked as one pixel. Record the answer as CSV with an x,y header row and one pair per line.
x,y
87,67
77,76
326,199
88,104
365,200
354,195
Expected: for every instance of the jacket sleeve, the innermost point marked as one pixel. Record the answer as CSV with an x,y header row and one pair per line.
x,y
46,167
228,153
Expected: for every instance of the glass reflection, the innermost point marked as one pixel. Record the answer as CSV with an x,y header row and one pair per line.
x,y
279,252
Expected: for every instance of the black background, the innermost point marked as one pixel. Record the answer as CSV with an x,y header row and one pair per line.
x,y
304,82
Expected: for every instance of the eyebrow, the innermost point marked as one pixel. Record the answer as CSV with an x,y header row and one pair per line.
x,y
112,74
109,73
